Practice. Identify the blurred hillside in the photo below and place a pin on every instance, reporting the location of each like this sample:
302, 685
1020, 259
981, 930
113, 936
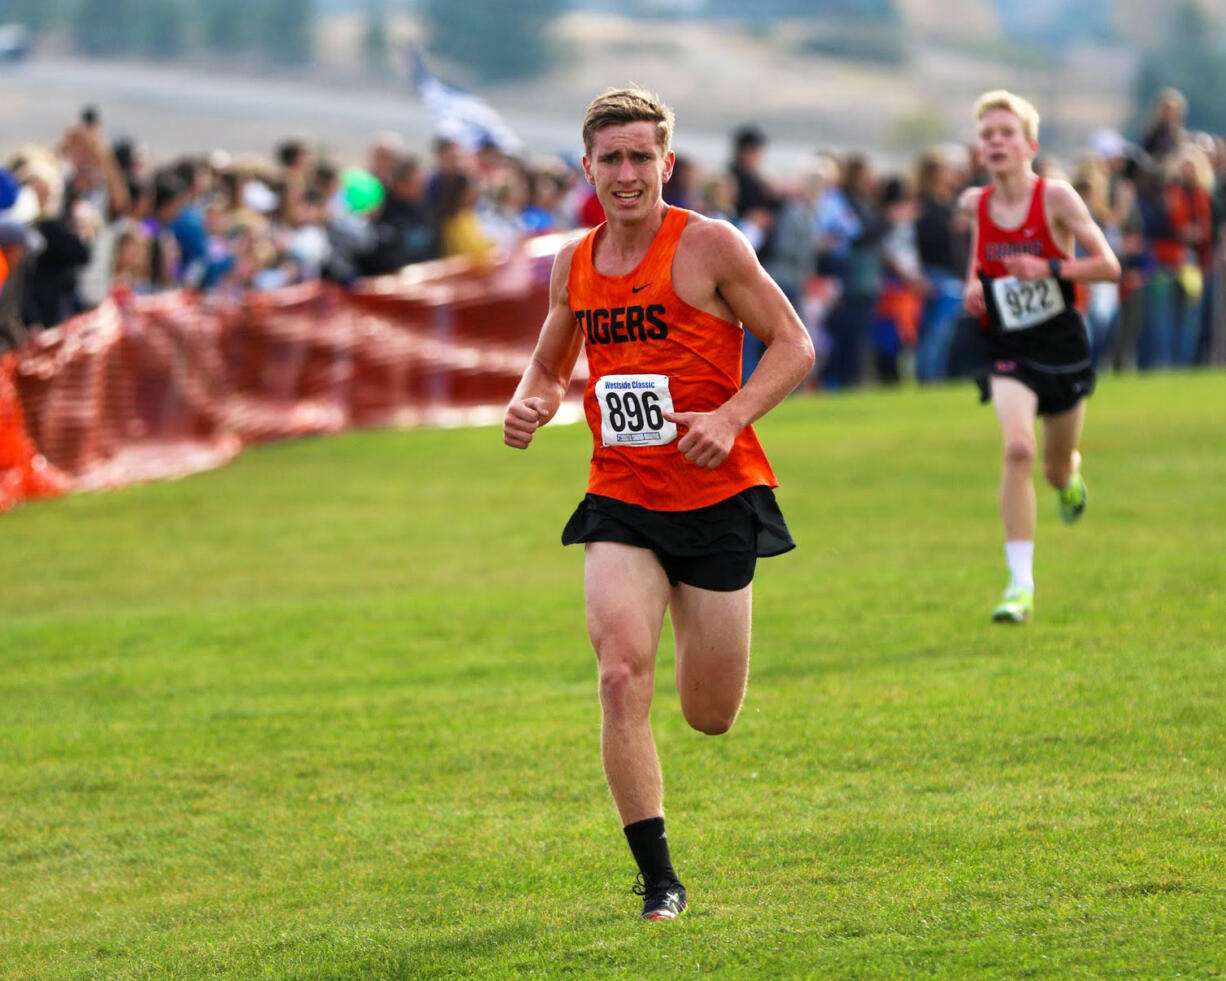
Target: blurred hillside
717, 75
911, 85
891, 82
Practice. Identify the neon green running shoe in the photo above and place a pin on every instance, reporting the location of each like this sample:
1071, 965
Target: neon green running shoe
1016, 606
1073, 499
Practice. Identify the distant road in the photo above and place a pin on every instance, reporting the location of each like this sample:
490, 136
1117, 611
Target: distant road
180, 110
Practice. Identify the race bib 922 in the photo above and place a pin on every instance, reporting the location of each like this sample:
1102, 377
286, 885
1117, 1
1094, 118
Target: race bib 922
1025, 303
632, 410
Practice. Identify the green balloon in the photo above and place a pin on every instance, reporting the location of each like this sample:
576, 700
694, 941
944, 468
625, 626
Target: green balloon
361, 190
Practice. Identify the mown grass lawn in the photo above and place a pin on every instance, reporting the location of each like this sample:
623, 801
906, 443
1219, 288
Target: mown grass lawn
330, 712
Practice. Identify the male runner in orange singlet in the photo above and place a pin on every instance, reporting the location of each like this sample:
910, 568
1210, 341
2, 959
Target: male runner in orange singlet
1020, 284
679, 503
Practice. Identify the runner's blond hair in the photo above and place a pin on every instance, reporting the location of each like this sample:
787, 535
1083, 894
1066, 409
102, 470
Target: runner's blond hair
1003, 99
616, 107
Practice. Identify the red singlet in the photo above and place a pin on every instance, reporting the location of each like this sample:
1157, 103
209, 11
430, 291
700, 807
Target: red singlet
1032, 237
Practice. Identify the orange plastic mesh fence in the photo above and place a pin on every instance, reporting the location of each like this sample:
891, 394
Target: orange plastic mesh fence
24, 472
166, 385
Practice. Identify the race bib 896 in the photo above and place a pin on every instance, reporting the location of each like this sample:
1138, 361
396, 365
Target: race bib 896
1025, 303
632, 410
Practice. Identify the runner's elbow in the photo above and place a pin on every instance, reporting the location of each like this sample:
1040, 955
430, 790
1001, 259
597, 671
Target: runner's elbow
806, 356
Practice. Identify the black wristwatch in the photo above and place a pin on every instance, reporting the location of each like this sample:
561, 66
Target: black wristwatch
1054, 265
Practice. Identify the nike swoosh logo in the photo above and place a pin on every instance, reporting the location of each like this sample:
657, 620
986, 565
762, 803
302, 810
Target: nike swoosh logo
635, 289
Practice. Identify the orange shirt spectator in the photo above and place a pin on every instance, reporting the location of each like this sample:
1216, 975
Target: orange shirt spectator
1188, 214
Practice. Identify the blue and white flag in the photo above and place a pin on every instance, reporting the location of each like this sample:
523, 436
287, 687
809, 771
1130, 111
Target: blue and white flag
460, 115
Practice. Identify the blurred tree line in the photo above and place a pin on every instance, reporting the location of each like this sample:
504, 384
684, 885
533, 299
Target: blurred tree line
279, 29
494, 40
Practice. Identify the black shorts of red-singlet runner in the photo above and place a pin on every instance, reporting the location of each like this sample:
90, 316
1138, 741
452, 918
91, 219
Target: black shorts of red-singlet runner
716, 547
1052, 360
1058, 388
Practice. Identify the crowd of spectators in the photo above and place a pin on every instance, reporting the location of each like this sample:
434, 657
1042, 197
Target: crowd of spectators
92, 217
874, 262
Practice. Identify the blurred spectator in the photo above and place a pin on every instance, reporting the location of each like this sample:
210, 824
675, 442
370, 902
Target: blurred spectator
943, 261
755, 201
132, 159
1092, 181
791, 261
460, 228
1164, 129
1127, 193
448, 162
352, 236
295, 163
903, 284
543, 210
49, 291
96, 192
756, 206
853, 224
719, 197
821, 290
188, 225
682, 188
1181, 237
164, 262
219, 252
306, 243
583, 204
490, 165
15, 243
91, 171
502, 210
130, 274
405, 227
385, 152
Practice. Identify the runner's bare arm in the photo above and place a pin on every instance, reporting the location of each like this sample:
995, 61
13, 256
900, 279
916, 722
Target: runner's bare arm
1067, 212
544, 383
760, 305
1100, 262
972, 288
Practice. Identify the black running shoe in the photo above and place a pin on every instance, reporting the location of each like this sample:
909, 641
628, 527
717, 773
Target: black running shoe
663, 901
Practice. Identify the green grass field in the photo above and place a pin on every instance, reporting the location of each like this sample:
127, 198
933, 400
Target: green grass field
330, 712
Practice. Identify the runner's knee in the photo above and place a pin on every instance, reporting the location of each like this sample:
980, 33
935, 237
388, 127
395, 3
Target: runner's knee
709, 719
624, 690
1020, 451
710, 709
624, 671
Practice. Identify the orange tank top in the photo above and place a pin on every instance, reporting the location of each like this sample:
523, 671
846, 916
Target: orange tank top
647, 348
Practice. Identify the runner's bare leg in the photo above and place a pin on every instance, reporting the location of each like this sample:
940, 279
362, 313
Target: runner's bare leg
626, 593
1061, 437
712, 632
1016, 406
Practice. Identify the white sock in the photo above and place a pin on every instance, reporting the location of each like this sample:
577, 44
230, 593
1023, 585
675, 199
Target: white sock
1020, 556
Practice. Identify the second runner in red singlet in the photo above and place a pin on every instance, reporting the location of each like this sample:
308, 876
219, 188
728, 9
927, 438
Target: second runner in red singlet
1033, 329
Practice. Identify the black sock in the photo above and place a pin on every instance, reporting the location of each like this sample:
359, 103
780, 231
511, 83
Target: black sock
650, 847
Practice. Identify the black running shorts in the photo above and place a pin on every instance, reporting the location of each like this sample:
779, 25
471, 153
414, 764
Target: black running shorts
715, 547
1052, 360
1058, 388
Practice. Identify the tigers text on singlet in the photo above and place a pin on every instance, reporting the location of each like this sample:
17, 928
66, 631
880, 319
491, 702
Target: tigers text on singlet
649, 352
1013, 304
